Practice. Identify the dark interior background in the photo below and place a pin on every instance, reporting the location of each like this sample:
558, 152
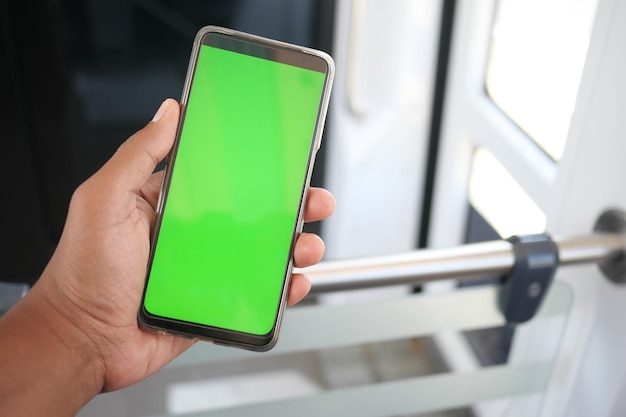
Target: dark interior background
80, 76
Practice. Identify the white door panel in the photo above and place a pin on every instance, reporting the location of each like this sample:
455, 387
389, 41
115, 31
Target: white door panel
379, 123
590, 178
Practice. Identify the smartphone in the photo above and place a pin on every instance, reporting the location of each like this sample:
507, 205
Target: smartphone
234, 189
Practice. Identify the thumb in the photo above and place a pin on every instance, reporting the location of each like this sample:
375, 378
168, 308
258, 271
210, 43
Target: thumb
135, 160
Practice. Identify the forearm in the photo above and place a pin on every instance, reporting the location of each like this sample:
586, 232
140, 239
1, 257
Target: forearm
45, 369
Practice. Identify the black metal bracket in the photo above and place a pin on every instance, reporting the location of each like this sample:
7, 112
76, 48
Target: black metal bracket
613, 221
524, 288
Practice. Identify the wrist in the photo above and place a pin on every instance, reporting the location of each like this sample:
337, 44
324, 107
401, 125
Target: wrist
50, 366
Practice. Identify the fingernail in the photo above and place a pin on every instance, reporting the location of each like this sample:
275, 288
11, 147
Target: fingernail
161, 111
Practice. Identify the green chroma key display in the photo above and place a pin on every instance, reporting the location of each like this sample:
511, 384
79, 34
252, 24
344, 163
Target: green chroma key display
228, 222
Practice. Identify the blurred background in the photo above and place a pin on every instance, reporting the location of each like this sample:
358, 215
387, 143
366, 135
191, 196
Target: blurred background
451, 122
79, 77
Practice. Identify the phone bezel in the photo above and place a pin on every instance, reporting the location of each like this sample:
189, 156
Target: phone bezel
268, 49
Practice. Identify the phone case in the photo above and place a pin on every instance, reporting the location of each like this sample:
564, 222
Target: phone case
224, 336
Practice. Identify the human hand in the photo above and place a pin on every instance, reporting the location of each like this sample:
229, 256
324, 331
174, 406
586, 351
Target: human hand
90, 292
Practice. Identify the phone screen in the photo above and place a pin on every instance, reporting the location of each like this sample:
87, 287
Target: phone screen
227, 227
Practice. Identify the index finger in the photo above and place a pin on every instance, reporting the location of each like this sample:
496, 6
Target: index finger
320, 204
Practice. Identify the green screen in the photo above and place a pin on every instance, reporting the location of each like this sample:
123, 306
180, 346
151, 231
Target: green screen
228, 221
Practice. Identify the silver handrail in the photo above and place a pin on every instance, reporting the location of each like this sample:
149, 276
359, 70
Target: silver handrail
460, 263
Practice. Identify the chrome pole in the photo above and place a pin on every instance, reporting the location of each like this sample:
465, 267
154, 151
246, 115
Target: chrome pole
459, 263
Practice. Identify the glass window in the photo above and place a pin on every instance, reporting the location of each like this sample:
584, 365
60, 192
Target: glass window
538, 49
495, 194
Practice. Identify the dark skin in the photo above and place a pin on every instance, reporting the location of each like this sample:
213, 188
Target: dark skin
76, 334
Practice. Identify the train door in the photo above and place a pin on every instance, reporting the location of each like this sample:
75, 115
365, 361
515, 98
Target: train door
533, 139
